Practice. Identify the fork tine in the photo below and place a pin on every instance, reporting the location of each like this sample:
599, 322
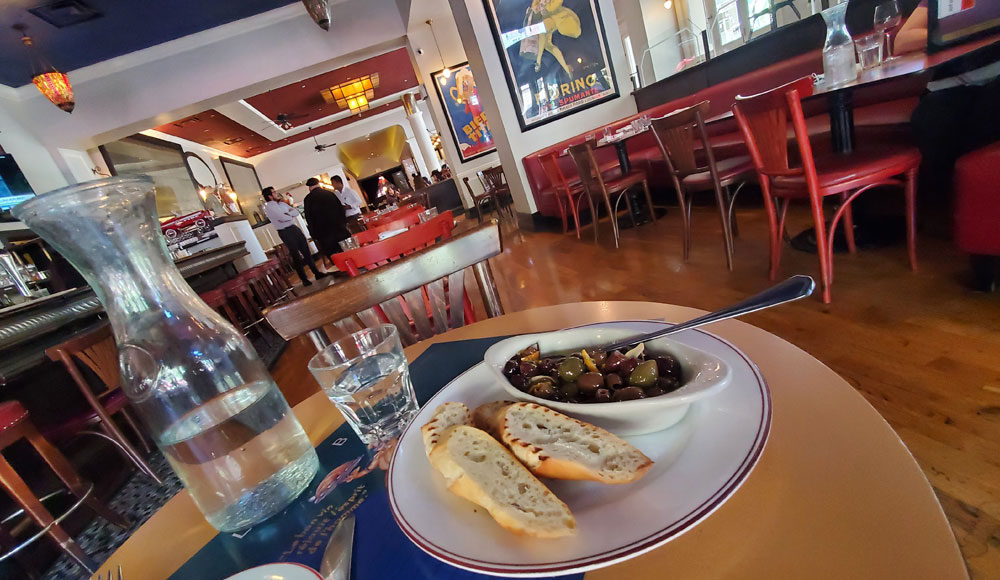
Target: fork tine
120, 572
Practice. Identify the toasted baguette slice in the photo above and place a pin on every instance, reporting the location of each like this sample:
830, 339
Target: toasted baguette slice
487, 417
445, 416
553, 445
478, 468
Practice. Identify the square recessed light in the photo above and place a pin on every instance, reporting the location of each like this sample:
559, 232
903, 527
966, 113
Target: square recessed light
63, 13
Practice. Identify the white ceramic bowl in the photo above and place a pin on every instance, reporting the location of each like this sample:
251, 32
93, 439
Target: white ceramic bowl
703, 375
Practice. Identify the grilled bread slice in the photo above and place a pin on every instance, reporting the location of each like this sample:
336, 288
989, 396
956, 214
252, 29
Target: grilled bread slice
487, 417
445, 416
553, 445
478, 468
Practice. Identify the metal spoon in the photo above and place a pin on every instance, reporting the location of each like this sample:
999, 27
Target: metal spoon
790, 290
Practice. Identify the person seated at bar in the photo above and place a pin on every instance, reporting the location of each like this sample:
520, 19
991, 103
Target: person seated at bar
956, 115
282, 215
326, 217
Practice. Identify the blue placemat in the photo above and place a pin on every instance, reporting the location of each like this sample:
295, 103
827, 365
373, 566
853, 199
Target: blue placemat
301, 532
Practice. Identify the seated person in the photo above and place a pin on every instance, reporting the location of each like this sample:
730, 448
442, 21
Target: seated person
956, 115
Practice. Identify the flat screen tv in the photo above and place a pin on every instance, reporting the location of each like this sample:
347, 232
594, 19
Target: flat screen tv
14, 187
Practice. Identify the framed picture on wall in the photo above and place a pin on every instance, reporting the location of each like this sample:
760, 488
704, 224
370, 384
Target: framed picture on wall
554, 55
466, 119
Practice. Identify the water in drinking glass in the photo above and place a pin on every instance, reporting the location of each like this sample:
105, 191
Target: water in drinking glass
366, 375
869, 49
376, 396
888, 20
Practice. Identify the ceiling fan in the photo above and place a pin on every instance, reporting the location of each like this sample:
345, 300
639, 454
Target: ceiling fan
321, 147
284, 120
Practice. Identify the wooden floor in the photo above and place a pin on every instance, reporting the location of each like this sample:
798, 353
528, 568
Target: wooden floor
923, 349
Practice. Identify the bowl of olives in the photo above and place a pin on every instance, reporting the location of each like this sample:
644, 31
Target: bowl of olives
645, 388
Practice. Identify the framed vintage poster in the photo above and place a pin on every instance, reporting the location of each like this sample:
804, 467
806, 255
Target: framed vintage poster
554, 54
465, 115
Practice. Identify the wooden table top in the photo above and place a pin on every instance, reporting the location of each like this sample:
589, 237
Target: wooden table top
836, 494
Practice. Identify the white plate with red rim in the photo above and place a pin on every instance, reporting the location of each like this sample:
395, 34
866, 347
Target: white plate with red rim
278, 571
699, 463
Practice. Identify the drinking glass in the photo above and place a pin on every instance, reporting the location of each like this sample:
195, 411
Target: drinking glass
368, 379
869, 47
427, 215
888, 20
349, 244
607, 133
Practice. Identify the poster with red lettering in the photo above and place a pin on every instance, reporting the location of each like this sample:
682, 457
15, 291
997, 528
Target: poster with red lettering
555, 56
460, 99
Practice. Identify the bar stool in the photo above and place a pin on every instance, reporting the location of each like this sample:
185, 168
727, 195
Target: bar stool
15, 425
216, 299
98, 352
240, 297
277, 279
260, 290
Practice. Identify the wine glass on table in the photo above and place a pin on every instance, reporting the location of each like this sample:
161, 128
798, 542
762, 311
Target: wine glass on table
888, 21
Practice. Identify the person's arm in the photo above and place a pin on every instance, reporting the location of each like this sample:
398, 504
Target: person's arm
913, 35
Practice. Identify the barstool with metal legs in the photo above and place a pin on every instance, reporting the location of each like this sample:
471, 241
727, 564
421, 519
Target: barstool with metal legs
15, 425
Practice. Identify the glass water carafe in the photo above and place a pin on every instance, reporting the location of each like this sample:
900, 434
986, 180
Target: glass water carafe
838, 50
198, 384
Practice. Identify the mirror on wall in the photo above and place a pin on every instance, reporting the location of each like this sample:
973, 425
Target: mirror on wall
201, 170
165, 163
243, 179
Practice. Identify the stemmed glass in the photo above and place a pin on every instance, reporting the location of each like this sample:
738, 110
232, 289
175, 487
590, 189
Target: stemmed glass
888, 20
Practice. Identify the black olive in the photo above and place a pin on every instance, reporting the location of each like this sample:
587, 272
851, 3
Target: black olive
602, 396
613, 381
521, 382
628, 394
528, 368
667, 365
590, 382
668, 384
613, 361
510, 368
598, 356
627, 366
655, 392
546, 366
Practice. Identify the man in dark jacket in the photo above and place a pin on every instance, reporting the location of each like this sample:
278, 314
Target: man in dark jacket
326, 217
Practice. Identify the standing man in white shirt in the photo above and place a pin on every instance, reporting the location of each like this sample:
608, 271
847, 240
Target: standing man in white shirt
351, 199
282, 215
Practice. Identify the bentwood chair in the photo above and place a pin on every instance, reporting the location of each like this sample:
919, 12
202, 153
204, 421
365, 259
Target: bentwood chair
763, 121
494, 180
97, 352
604, 187
567, 193
677, 134
431, 282
16, 425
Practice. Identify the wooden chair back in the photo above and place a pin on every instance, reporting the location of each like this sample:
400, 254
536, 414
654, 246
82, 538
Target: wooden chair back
676, 134
382, 252
586, 165
493, 178
98, 352
763, 121
430, 282
472, 193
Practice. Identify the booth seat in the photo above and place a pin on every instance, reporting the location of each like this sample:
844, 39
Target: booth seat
977, 201
887, 105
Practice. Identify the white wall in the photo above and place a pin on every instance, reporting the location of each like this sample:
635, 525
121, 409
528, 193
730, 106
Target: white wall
34, 159
512, 143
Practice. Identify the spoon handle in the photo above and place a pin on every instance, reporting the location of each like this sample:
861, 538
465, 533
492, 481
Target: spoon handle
790, 290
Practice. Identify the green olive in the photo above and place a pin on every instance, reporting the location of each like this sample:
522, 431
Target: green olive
543, 389
570, 369
644, 375
569, 390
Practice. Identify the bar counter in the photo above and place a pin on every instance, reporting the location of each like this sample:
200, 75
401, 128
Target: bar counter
27, 329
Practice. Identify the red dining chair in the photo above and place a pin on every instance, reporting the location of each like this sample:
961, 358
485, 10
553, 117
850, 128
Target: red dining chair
567, 193
604, 186
372, 234
677, 134
763, 120
379, 253
394, 215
